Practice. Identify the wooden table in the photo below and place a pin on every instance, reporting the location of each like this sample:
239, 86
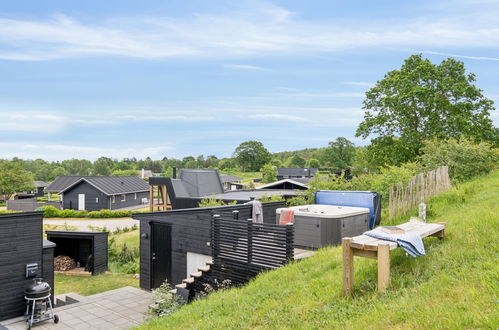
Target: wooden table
369, 247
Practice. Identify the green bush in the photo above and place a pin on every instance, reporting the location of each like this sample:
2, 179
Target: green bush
163, 301
465, 158
212, 201
52, 212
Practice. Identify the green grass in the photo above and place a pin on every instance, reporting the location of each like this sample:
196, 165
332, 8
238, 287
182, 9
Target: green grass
454, 286
131, 238
88, 285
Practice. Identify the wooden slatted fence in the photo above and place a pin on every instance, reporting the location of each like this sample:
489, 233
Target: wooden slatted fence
404, 197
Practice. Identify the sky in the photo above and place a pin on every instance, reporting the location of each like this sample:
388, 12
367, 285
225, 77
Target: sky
119, 78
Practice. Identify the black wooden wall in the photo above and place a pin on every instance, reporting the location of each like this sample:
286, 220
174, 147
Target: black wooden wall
20, 244
48, 264
191, 231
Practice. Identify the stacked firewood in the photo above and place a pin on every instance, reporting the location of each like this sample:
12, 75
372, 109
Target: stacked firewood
64, 263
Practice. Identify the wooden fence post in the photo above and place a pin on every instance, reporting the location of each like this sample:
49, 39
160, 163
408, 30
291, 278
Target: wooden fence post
235, 215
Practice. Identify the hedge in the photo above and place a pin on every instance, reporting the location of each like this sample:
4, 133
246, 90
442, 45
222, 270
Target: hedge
52, 212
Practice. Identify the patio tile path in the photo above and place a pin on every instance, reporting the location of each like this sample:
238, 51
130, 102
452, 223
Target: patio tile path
116, 309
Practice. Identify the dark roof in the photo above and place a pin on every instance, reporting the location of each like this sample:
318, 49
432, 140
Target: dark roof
61, 182
229, 178
39, 184
291, 182
246, 195
288, 171
109, 185
199, 182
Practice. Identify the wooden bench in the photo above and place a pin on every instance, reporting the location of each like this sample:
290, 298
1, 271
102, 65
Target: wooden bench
368, 247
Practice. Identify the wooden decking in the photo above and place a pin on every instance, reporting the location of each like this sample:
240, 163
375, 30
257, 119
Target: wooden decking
369, 247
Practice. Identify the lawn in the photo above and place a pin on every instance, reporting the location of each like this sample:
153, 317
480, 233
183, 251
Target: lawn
88, 285
454, 286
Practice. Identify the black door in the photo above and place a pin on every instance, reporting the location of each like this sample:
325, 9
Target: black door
161, 253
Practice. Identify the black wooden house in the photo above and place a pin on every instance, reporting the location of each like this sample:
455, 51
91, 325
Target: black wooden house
94, 193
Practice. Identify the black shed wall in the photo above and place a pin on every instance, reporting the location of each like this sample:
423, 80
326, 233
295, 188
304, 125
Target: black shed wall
20, 244
191, 232
78, 244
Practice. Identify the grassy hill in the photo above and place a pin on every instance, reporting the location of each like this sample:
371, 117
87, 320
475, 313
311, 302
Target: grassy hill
454, 286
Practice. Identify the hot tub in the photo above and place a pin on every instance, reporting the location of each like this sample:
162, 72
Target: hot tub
317, 226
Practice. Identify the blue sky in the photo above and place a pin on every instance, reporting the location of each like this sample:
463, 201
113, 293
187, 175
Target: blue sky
83, 79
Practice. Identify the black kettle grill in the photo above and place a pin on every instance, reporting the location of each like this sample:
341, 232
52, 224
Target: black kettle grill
38, 303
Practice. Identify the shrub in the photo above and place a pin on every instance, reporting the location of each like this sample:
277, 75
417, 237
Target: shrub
163, 301
464, 157
52, 212
212, 201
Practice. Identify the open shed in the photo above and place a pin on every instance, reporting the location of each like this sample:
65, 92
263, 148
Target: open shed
85, 248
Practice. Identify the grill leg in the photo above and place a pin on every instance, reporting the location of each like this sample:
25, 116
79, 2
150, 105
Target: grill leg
50, 306
32, 313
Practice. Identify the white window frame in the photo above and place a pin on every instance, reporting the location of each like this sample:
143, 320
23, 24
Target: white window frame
113, 199
96, 200
123, 198
135, 196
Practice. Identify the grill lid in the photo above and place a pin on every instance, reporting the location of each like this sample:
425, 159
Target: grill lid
37, 287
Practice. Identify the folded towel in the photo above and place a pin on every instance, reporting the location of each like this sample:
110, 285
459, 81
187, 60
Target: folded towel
410, 242
286, 216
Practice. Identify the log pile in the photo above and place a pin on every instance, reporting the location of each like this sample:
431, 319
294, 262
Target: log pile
64, 263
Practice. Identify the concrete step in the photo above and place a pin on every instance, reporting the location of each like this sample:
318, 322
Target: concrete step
204, 269
189, 280
197, 275
181, 286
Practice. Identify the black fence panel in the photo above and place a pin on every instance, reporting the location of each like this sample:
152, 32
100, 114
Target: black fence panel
242, 249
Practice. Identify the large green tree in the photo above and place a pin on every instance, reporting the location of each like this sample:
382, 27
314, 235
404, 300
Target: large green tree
13, 178
103, 166
422, 101
251, 156
339, 154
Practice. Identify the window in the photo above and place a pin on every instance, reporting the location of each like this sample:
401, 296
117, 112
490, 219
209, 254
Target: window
123, 198
97, 199
135, 196
114, 199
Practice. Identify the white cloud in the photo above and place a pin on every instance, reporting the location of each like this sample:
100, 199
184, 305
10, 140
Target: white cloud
275, 116
254, 31
359, 83
478, 58
31, 122
323, 94
245, 67
51, 151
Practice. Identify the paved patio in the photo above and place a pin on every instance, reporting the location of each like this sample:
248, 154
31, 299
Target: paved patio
116, 309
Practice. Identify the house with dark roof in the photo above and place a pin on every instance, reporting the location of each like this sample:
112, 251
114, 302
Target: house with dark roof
293, 173
231, 182
194, 185
94, 193
296, 184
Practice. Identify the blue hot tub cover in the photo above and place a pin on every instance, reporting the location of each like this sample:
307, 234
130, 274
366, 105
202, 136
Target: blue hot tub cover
367, 199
